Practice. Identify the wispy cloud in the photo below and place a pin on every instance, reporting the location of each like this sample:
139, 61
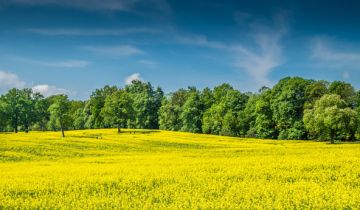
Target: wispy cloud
49, 90
268, 53
133, 77
91, 32
10, 80
55, 64
346, 75
98, 5
115, 51
259, 64
324, 52
257, 59
149, 63
199, 40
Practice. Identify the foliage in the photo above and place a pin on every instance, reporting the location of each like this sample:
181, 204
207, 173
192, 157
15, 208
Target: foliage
275, 113
345, 90
330, 118
59, 113
223, 116
96, 104
287, 101
118, 109
191, 114
146, 103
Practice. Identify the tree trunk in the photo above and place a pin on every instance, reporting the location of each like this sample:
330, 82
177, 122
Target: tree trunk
352, 136
119, 131
26, 129
332, 141
62, 129
62, 132
15, 121
15, 128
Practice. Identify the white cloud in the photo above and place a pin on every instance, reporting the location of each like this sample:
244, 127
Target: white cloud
201, 41
149, 63
268, 54
327, 54
346, 75
112, 5
48, 90
260, 63
99, 5
257, 61
56, 64
133, 77
116, 51
10, 80
91, 32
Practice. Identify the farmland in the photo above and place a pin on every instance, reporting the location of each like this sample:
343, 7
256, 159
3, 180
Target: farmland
150, 169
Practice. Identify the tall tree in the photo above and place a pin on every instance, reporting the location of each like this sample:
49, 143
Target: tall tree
118, 109
346, 92
265, 126
207, 98
248, 117
331, 118
223, 117
146, 104
4, 117
96, 104
13, 107
171, 109
314, 91
59, 112
192, 112
29, 104
287, 104
42, 114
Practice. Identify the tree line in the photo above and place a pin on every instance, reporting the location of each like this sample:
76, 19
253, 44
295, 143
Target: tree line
295, 108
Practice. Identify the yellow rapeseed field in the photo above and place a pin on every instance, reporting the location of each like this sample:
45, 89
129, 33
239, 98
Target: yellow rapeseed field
142, 169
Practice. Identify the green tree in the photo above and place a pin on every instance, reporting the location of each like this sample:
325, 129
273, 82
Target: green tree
358, 112
79, 119
3, 114
29, 108
146, 104
207, 98
191, 114
171, 109
331, 118
248, 117
264, 124
42, 114
118, 109
213, 119
345, 90
59, 112
95, 106
224, 115
314, 91
13, 107
287, 105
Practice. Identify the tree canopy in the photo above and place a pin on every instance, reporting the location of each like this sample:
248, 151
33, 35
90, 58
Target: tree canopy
294, 108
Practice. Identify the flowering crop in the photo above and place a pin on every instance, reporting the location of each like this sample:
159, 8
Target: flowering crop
143, 169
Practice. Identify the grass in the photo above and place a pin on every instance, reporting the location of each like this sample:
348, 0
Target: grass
143, 169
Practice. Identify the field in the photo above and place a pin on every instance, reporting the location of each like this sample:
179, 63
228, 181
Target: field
143, 169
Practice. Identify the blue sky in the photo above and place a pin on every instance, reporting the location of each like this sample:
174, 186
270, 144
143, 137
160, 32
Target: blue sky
75, 46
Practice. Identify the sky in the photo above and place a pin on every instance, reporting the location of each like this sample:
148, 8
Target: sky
76, 46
